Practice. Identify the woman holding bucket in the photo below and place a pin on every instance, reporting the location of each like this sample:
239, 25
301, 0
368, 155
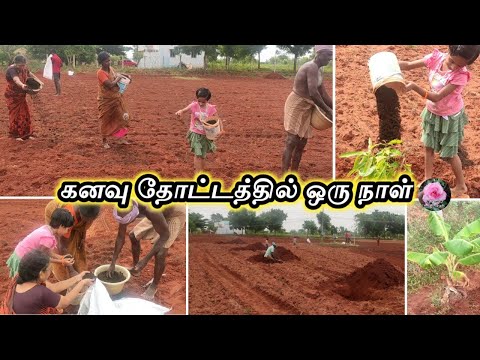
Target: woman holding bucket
112, 111
197, 137
444, 117
16, 96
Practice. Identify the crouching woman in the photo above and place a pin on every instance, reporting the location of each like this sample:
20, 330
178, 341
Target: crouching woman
31, 293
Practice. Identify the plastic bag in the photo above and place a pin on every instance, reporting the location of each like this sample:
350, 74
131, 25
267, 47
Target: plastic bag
97, 301
48, 69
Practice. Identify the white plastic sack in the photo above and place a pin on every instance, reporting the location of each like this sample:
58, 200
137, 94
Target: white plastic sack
48, 69
97, 301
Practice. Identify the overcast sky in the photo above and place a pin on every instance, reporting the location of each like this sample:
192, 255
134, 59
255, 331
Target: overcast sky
297, 214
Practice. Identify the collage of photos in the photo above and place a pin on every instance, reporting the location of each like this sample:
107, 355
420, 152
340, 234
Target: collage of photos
321, 112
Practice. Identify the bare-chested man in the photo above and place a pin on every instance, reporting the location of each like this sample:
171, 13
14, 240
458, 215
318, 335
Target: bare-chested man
308, 91
163, 226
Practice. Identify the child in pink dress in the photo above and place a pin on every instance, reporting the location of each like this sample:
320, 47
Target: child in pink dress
199, 143
44, 238
444, 116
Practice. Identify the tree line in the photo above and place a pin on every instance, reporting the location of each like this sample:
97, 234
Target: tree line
72, 54
377, 224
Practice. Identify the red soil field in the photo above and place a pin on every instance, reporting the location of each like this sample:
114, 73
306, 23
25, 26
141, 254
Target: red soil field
232, 278
357, 118
69, 140
20, 217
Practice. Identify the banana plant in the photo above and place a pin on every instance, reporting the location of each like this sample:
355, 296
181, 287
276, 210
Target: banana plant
378, 162
461, 249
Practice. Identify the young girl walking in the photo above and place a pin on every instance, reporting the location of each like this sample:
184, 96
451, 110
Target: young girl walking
444, 116
199, 143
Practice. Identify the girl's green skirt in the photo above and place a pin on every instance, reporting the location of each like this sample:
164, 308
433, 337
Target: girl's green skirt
444, 136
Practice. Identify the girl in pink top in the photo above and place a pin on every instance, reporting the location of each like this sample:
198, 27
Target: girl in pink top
444, 116
199, 143
44, 238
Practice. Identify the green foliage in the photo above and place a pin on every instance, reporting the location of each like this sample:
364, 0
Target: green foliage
297, 51
112, 49
241, 219
379, 224
378, 162
324, 223
452, 252
217, 217
310, 227
82, 53
8, 53
248, 220
196, 222
273, 219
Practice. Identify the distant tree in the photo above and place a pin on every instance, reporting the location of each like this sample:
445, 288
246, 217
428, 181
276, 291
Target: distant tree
333, 230
209, 52
257, 49
196, 222
211, 226
297, 51
112, 49
274, 219
258, 224
229, 52
81, 53
324, 223
137, 55
217, 217
379, 223
8, 53
241, 219
310, 227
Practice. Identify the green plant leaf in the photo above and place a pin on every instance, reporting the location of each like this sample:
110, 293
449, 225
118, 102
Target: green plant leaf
476, 245
470, 260
438, 226
469, 230
458, 275
438, 257
394, 142
396, 153
459, 247
416, 257
369, 171
365, 168
353, 153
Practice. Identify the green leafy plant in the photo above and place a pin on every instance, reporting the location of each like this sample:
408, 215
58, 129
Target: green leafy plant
462, 249
378, 162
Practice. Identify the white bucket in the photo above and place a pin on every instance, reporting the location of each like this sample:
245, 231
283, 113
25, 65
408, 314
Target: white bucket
319, 120
385, 70
70, 73
122, 84
113, 288
212, 126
